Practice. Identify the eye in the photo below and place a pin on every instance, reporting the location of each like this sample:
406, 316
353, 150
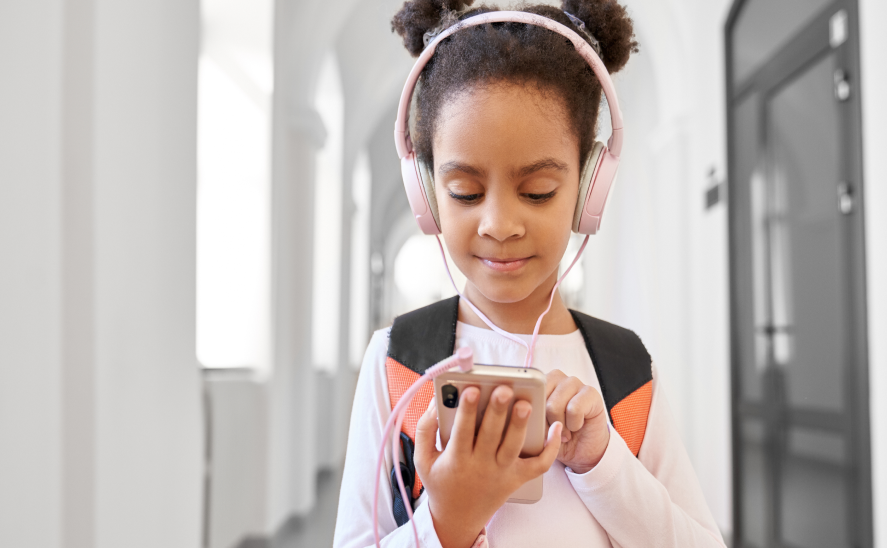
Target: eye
541, 198
464, 198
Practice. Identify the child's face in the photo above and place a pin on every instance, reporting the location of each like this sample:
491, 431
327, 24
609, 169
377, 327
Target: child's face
506, 171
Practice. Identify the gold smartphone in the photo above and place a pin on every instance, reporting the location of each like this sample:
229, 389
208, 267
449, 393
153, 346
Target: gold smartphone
527, 383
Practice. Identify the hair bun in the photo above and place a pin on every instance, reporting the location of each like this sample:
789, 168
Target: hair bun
417, 17
610, 24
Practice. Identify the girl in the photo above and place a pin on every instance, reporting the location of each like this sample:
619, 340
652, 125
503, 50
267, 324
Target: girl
505, 120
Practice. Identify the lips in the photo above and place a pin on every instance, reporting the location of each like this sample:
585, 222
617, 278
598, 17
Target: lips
504, 265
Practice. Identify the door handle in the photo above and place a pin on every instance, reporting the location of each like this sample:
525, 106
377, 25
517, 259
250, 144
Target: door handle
845, 197
842, 85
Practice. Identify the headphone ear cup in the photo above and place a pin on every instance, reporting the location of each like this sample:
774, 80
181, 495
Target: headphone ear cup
416, 195
603, 167
426, 175
586, 180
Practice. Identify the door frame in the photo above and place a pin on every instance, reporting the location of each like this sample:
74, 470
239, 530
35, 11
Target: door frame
806, 48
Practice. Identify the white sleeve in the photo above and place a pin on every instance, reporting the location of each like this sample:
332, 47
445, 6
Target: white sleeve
654, 499
372, 407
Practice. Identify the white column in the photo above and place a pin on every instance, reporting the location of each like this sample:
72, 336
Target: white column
302, 32
100, 396
30, 278
292, 402
297, 135
149, 434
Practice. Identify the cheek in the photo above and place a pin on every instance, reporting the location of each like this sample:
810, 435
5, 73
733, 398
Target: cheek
459, 247
456, 224
557, 224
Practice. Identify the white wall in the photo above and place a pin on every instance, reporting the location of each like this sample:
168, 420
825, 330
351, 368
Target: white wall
659, 265
238, 458
872, 17
100, 418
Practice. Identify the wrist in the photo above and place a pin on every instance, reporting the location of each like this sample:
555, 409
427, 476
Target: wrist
453, 532
585, 467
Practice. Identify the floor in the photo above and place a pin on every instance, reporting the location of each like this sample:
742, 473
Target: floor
316, 529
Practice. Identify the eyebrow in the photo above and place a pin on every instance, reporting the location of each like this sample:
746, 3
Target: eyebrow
543, 164
529, 169
467, 169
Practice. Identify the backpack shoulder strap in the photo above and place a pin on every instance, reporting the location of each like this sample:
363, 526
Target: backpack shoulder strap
418, 340
624, 370
423, 337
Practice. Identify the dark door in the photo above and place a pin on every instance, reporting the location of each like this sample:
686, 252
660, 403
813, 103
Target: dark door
800, 391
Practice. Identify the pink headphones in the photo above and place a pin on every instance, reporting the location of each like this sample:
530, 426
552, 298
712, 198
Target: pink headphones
597, 174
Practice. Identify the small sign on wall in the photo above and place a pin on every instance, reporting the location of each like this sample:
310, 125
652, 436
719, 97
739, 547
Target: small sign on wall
715, 191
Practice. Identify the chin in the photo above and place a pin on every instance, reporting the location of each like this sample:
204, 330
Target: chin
503, 292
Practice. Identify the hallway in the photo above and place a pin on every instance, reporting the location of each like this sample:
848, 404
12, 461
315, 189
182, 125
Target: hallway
203, 222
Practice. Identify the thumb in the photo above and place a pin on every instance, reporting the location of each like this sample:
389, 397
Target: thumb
538, 465
426, 440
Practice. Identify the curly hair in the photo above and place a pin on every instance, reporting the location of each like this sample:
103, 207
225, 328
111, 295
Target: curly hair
513, 53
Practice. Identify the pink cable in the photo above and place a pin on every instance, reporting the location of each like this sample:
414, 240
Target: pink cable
396, 419
461, 358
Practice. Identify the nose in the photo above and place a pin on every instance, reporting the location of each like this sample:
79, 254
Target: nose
500, 219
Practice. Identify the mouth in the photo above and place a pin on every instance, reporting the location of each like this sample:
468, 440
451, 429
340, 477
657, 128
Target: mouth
509, 264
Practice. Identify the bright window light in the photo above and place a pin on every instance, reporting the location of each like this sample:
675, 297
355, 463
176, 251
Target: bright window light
419, 275
361, 185
233, 208
330, 104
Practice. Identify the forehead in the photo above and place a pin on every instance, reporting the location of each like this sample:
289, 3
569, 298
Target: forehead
504, 123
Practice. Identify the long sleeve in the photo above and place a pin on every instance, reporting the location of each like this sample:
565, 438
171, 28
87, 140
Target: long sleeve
653, 500
354, 523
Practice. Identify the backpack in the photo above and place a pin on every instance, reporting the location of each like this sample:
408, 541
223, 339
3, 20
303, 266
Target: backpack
423, 337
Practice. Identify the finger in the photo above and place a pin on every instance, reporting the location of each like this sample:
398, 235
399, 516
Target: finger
462, 436
426, 440
556, 403
493, 425
552, 379
584, 406
532, 467
516, 434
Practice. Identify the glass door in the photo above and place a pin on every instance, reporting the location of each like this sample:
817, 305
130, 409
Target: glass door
801, 460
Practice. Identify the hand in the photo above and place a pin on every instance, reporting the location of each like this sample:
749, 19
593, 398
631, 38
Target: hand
472, 478
581, 409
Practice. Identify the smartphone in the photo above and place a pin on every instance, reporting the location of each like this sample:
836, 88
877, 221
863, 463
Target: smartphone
527, 383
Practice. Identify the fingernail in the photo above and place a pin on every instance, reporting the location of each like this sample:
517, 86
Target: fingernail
471, 396
502, 398
564, 439
522, 412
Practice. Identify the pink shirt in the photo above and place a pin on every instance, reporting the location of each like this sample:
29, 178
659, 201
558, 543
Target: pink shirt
653, 500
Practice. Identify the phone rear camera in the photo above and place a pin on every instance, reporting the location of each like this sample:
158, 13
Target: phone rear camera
450, 395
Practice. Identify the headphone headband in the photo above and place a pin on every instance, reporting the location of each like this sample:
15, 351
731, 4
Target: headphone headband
401, 126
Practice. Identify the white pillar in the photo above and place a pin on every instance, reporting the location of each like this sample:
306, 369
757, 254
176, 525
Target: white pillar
303, 29
297, 134
292, 401
101, 399
148, 395
30, 277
